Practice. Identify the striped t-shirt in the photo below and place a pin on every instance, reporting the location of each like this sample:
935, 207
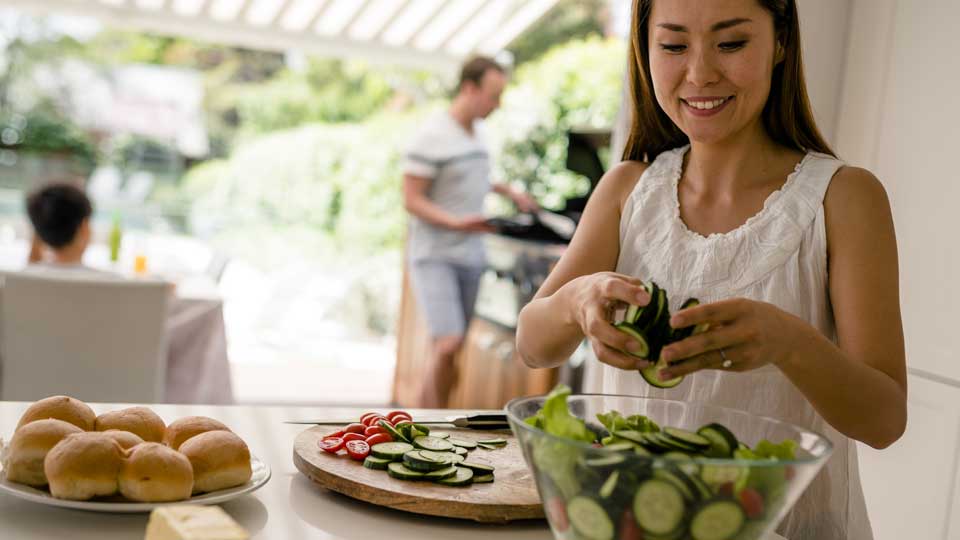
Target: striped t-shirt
458, 165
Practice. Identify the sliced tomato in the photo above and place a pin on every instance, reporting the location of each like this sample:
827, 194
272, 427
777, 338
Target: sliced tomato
370, 418
354, 437
752, 503
355, 428
395, 414
358, 450
378, 438
629, 529
337, 433
373, 430
331, 444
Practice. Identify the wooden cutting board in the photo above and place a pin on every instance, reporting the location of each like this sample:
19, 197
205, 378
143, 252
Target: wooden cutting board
511, 496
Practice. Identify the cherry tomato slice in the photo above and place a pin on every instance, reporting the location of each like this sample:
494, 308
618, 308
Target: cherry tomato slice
331, 444
353, 437
370, 418
358, 450
373, 430
355, 428
338, 433
378, 438
752, 503
393, 416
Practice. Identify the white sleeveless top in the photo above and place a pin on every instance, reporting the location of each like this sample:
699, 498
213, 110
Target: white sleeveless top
778, 256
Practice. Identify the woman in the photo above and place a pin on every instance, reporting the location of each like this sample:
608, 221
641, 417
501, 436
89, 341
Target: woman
728, 193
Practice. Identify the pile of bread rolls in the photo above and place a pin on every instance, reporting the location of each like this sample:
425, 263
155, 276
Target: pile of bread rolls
61, 443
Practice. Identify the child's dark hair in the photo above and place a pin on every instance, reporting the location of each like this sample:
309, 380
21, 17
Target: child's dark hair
56, 212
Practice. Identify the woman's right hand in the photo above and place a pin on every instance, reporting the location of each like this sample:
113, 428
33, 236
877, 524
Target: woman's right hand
594, 298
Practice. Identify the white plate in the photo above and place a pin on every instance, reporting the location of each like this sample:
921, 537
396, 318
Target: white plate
261, 474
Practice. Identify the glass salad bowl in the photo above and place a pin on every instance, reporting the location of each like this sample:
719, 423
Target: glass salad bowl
656, 469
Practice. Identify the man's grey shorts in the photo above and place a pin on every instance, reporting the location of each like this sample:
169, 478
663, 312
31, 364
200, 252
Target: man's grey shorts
446, 293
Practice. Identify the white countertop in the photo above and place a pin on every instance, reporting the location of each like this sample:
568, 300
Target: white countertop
289, 507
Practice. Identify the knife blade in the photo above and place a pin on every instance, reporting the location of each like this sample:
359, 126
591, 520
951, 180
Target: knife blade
476, 421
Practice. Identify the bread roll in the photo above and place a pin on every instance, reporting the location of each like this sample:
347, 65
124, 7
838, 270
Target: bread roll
156, 473
29, 447
188, 426
83, 466
140, 421
220, 460
126, 439
63, 408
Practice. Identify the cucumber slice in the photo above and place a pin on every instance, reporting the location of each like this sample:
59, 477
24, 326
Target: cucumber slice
589, 519
620, 446
651, 374
718, 475
391, 450
400, 472
482, 479
458, 459
632, 313
418, 462
684, 462
440, 457
440, 435
637, 336
394, 432
460, 451
609, 485
489, 446
493, 442
477, 467
679, 481
464, 477
648, 314
722, 441
658, 507
469, 445
674, 444
423, 429
630, 435
687, 437
604, 462
440, 474
717, 520
373, 462
432, 443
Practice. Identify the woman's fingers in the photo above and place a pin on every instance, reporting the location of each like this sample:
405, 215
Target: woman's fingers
626, 290
713, 313
714, 339
615, 358
599, 328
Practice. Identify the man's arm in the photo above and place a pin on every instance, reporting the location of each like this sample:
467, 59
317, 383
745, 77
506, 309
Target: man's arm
523, 200
416, 201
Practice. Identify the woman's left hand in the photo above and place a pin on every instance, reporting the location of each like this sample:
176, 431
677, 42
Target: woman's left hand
743, 335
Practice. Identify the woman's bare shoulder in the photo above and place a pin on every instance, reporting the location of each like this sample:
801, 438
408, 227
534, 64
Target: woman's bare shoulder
855, 186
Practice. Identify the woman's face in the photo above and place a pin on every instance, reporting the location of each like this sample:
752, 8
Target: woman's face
711, 62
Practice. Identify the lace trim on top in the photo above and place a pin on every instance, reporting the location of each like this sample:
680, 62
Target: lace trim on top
755, 221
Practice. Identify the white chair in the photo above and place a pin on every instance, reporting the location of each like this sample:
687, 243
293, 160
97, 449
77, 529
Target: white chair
93, 337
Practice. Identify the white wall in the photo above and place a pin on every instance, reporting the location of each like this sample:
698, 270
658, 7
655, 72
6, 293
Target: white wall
823, 27
900, 117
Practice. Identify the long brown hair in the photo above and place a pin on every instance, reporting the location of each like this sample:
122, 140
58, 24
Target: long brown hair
787, 116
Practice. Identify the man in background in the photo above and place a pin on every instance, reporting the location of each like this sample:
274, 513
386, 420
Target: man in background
60, 215
446, 178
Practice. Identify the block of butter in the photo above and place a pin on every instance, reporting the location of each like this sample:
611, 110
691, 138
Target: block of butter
193, 522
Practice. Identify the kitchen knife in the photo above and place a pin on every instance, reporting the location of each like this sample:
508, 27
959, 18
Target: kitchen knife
476, 421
